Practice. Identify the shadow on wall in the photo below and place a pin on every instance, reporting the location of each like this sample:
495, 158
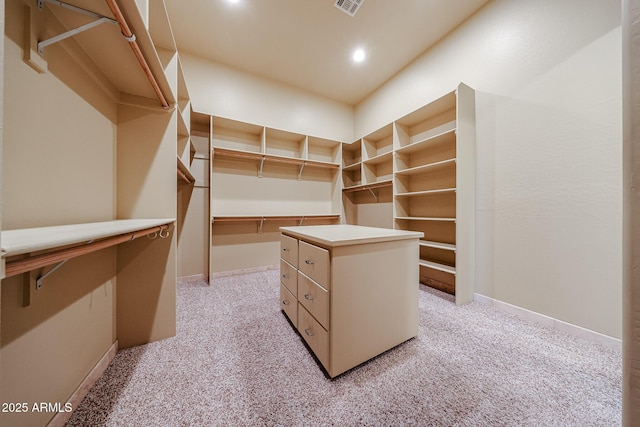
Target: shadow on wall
87, 280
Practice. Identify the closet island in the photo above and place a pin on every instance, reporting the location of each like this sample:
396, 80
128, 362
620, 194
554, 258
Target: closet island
350, 291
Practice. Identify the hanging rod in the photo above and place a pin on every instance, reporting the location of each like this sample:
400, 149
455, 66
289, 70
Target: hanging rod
131, 38
13, 268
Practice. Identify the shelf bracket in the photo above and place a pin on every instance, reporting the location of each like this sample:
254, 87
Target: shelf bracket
100, 19
260, 226
300, 171
374, 194
261, 166
41, 278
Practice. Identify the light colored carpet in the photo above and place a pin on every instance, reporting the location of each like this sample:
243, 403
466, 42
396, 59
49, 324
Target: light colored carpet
236, 361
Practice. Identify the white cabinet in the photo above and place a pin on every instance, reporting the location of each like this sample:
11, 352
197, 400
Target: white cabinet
356, 293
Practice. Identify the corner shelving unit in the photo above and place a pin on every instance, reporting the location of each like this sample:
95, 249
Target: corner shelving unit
434, 179
367, 178
418, 173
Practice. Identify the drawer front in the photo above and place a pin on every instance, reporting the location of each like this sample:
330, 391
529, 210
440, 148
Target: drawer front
313, 261
289, 249
314, 298
289, 277
289, 305
315, 335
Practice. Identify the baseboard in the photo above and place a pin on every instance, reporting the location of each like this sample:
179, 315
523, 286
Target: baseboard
559, 325
61, 418
192, 277
238, 272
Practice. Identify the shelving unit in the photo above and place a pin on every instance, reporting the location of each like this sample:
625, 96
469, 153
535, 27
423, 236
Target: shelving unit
261, 219
367, 179
417, 173
434, 186
262, 178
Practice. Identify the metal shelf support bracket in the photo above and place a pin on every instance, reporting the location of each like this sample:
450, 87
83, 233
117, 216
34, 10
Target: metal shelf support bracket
100, 19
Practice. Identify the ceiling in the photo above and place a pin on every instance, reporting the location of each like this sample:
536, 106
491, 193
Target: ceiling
308, 43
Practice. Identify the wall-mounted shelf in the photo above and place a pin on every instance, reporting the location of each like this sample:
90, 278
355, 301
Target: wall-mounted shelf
69, 241
437, 245
365, 187
184, 174
424, 218
429, 167
426, 192
262, 218
437, 266
226, 153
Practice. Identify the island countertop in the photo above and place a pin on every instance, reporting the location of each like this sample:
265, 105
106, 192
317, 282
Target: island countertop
344, 234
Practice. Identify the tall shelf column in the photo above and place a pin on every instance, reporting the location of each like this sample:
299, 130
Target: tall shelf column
434, 189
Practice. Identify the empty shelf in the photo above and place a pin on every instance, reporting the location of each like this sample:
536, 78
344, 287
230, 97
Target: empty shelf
438, 245
436, 266
362, 187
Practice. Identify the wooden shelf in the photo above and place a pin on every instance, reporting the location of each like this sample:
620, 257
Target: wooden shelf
184, 173
381, 158
423, 218
253, 218
426, 192
447, 135
363, 187
438, 245
64, 241
436, 266
228, 153
351, 167
431, 167
260, 219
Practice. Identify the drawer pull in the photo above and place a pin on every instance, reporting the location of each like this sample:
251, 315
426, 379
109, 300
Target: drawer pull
285, 276
308, 332
285, 249
308, 297
308, 262
285, 302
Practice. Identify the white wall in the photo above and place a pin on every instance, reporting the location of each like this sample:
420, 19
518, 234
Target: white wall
222, 91
631, 312
549, 138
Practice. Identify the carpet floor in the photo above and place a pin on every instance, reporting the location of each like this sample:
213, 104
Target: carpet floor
237, 361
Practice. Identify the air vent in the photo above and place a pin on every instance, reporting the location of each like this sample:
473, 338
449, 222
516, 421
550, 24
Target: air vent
350, 7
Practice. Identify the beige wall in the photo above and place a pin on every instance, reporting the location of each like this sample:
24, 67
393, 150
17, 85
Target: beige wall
221, 91
548, 183
59, 151
631, 341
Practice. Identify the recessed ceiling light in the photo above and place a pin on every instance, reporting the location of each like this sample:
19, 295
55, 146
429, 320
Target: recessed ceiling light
359, 55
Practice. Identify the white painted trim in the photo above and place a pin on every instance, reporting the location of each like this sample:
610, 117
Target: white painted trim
550, 322
76, 397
